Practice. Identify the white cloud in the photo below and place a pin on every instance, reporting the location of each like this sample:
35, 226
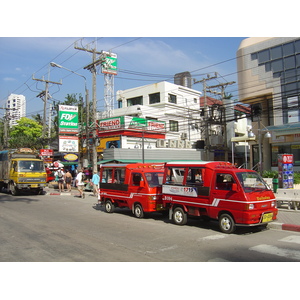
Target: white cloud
9, 79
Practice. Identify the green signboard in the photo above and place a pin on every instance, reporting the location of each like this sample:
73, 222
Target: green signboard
68, 119
109, 66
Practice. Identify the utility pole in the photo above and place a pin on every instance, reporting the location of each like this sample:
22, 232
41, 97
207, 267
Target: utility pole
222, 93
45, 95
92, 68
203, 81
5, 129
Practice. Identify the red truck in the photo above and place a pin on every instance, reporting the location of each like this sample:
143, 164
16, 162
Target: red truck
136, 186
217, 190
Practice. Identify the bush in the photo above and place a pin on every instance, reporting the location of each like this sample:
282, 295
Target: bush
270, 174
296, 177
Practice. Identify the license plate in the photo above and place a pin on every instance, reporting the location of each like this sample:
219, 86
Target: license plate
34, 185
267, 217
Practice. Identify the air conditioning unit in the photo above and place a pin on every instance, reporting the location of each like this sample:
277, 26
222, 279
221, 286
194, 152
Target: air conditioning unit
161, 144
183, 135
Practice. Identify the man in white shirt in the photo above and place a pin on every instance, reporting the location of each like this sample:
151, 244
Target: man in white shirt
80, 184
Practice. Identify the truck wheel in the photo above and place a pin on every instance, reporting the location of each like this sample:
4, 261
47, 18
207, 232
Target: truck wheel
109, 206
14, 191
179, 216
138, 211
226, 223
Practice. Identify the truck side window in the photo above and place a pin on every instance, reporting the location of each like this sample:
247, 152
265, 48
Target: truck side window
136, 178
175, 175
194, 176
119, 176
224, 182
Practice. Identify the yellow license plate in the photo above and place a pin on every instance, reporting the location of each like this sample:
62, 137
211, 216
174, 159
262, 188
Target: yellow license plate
34, 185
267, 217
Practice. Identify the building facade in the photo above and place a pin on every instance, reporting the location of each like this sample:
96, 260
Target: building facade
16, 108
268, 78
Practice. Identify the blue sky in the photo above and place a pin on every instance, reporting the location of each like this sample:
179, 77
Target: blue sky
159, 57
161, 39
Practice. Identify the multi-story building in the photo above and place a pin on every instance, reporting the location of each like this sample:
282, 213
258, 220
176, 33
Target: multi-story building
268, 78
16, 105
177, 130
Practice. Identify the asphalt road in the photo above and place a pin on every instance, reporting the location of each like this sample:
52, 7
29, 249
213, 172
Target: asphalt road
48, 228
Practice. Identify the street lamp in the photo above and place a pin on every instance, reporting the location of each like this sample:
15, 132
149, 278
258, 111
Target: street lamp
55, 65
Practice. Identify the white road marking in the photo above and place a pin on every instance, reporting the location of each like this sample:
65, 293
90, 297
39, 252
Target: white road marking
269, 249
291, 239
213, 237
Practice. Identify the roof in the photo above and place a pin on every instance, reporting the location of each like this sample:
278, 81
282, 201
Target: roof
212, 101
132, 161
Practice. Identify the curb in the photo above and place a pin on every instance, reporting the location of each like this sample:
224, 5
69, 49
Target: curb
282, 226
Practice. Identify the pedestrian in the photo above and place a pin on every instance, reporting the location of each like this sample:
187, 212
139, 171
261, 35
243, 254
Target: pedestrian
60, 177
68, 180
95, 183
80, 183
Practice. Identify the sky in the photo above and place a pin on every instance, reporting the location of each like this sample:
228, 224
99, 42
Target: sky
141, 61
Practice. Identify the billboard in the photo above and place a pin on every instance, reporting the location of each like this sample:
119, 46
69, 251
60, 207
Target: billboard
68, 119
68, 143
127, 122
110, 64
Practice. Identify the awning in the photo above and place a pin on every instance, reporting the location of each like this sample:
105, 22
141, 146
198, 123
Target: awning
285, 128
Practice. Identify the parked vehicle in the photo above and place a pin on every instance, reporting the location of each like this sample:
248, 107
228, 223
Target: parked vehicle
135, 186
21, 170
217, 190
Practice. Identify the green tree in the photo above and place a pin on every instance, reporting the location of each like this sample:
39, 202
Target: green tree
27, 133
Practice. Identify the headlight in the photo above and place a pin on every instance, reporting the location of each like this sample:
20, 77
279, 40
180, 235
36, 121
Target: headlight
251, 206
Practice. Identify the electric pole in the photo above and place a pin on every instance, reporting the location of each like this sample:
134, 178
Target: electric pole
45, 95
5, 129
222, 93
206, 135
92, 68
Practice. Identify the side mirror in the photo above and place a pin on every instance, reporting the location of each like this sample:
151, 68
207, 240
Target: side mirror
234, 187
142, 183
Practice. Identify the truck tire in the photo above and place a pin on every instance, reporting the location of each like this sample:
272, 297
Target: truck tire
226, 223
109, 206
179, 216
14, 190
138, 211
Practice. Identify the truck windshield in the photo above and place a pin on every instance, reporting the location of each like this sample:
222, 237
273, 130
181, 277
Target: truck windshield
154, 178
251, 181
30, 166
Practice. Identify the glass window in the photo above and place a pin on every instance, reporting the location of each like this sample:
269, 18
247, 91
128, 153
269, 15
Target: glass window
154, 98
290, 76
253, 56
288, 49
298, 60
224, 181
136, 179
172, 98
297, 46
290, 88
154, 178
173, 125
293, 116
276, 52
263, 56
268, 67
289, 62
135, 101
120, 104
277, 65
175, 175
296, 152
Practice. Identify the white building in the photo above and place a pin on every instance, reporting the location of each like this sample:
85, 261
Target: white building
16, 105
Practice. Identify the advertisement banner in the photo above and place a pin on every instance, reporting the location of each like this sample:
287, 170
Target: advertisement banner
109, 66
68, 143
127, 122
68, 119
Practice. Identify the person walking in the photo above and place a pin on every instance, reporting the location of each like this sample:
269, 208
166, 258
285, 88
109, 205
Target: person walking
60, 177
80, 183
68, 180
95, 182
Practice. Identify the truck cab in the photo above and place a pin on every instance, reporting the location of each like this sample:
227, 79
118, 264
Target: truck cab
135, 186
217, 190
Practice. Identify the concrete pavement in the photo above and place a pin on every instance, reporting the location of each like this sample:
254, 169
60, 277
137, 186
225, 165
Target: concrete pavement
287, 219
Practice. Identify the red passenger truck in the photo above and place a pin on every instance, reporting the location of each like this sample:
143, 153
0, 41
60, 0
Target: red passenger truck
217, 190
136, 186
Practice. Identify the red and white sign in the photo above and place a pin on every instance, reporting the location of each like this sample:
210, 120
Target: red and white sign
46, 152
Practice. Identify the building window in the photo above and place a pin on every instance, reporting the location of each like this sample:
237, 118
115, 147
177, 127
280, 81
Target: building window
172, 98
276, 52
288, 49
173, 125
289, 62
154, 98
263, 56
120, 103
135, 101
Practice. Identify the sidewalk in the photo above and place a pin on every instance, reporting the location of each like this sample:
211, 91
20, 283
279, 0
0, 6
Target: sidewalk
287, 219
